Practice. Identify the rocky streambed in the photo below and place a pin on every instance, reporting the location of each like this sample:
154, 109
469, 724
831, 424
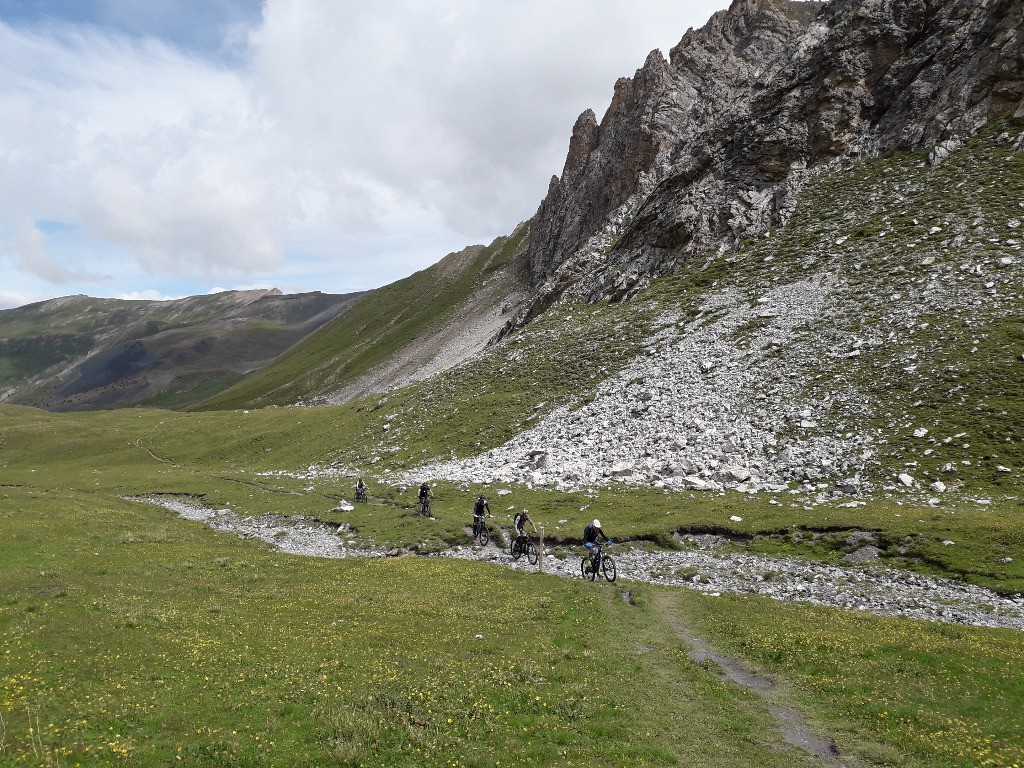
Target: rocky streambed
293, 535
880, 591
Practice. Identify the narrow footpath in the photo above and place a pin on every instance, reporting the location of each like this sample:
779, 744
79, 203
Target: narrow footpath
793, 726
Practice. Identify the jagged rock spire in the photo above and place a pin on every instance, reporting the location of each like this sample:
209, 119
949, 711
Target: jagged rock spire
713, 145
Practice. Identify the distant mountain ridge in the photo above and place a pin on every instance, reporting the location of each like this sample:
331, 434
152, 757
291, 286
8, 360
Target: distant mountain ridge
421, 325
77, 352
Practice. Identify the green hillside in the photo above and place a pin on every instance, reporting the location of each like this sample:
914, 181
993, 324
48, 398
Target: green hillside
386, 322
886, 365
80, 353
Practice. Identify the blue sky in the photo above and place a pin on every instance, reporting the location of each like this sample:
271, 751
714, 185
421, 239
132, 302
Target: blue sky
162, 148
214, 28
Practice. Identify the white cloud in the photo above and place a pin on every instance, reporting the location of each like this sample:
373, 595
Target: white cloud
455, 107
9, 299
140, 146
147, 295
353, 131
29, 243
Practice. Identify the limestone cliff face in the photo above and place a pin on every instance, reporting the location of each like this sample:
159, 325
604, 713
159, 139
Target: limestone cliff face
712, 146
650, 115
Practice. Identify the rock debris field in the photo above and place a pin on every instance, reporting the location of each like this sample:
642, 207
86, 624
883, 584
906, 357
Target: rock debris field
883, 592
696, 411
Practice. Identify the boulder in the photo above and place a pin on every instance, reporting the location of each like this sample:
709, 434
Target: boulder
866, 554
688, 466
692, 483
735, 474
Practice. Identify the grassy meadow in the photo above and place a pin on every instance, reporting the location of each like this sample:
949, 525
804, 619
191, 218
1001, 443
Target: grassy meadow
135, 638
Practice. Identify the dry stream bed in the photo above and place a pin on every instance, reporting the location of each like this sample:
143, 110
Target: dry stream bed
876, 590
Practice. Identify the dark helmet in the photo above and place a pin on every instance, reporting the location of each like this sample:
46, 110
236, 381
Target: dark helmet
482, 497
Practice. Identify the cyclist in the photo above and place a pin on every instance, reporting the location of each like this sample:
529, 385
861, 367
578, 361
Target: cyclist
591, 534
360, 490
425, 497
480, 510
519, 524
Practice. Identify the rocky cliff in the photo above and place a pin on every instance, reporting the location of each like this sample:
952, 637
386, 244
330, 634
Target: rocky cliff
699, 152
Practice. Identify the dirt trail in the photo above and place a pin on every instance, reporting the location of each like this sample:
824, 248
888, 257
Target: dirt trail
793, 726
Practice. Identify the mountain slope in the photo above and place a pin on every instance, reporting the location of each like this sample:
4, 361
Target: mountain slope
399, 333
861, 335
77, 352
879, 334
859, 332
749, 110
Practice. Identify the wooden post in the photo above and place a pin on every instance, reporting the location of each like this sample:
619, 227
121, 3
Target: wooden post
541, 559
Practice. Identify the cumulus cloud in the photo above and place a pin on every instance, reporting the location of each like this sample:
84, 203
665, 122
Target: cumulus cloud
348, 131
455, 107
140, 145
147, 295
9, 299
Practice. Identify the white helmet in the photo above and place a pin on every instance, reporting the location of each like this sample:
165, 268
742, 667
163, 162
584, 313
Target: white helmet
597, 523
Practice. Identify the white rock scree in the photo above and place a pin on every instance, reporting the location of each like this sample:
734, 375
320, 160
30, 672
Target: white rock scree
696, 411
880, 591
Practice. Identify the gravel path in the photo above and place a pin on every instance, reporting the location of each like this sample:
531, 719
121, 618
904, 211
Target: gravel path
880, 591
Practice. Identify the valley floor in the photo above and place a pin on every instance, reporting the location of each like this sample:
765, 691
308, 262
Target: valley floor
880, 591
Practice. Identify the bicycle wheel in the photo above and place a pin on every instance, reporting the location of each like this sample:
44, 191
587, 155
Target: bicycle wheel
485, 536
532, 555
608, 568
515, 549
586, 570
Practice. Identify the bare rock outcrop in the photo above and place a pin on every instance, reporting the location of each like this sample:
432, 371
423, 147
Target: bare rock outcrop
698, 152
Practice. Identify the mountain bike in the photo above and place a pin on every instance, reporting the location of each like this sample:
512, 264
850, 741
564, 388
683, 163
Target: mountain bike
425, 506
480, 531
524, 545
595, 561
361, 495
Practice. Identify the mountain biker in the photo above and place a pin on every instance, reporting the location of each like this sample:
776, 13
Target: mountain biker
591, 534
360, 490
519, 523
425, 496
480, 510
